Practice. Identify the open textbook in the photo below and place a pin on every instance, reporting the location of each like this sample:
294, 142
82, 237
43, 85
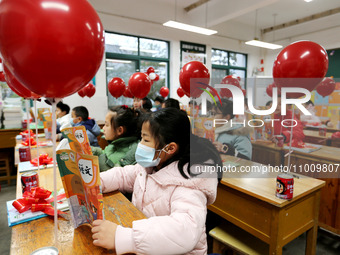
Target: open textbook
79, 171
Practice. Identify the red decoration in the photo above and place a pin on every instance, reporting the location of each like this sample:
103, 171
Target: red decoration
116, 87
139, 85
191, 70
127, 93
301, 64
230, 80
37, 200
336, 135
17, 87
81, 92
164, 91
180, 92
29, 142
269, 89
326, 87
90, 90
44, 159
61, 44
157, 78
150, 70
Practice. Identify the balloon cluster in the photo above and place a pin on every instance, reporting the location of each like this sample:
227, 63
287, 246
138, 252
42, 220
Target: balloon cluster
89, 90
152, 75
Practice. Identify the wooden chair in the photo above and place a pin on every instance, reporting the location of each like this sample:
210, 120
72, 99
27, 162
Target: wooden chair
5, 169
230, 239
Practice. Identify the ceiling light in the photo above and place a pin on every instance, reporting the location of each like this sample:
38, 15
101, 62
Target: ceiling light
307, 1
186, 27
266, 45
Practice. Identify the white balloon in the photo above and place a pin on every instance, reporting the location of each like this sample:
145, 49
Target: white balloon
152, 76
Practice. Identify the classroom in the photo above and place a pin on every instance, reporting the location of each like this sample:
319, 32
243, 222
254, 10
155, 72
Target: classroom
170, 127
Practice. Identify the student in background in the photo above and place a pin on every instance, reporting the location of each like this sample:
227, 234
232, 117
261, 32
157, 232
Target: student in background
63, 116
167, 187
122, 132
171, 102
146, 104
80, 117
159, 100
137, 103
231, 139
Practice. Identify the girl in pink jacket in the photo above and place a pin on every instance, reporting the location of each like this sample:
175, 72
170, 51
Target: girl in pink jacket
170, 185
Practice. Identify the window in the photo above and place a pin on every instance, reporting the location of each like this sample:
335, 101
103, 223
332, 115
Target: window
228, 63
127, 54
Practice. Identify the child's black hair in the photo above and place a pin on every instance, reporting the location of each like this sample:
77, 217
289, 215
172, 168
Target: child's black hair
63, 107
81, 111
147, 105
127, 118
159, 99
226, 107
269, 103
172, 125
171, 102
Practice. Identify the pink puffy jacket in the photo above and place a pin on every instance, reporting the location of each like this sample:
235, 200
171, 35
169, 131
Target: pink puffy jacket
176, 209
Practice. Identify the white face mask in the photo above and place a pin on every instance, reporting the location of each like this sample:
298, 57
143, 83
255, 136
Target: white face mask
145, 155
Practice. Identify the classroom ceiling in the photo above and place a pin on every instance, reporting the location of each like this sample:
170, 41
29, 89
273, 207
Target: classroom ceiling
234, 18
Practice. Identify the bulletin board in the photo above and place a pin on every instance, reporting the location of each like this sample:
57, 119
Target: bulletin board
192, 52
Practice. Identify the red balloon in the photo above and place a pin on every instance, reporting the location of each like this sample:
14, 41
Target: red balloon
301, 64
90, 90
16, 86
2, 77
116, 87
150, 70
157, 78
139, 85
81, 92
57, 46
326, 87
164, 91
180, 92
194, 69
269, 89
230, 80
127, 93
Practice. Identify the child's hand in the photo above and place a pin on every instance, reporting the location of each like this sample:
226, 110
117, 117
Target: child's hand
218, 146
104, 234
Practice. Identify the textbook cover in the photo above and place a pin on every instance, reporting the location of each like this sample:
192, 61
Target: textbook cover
204, 127
81, 179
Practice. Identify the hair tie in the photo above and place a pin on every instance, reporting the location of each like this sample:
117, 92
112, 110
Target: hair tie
124, 106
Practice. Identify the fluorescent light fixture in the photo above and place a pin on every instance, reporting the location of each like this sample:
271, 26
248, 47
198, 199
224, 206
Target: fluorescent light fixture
134, 49
118, 61
182, 26
162, 63
307, 1
264, 44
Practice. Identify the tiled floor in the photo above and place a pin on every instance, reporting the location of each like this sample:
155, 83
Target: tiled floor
327, 244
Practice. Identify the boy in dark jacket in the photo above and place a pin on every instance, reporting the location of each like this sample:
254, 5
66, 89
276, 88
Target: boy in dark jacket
80, 117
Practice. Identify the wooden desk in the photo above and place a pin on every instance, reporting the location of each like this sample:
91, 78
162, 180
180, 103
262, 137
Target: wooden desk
312, 136
329, 129
330, 203
251, 204
265, 152
34, 151
32, 235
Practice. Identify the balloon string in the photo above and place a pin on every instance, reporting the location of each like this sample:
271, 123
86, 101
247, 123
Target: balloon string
291, 138
54, 131
28, 124
36, 133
